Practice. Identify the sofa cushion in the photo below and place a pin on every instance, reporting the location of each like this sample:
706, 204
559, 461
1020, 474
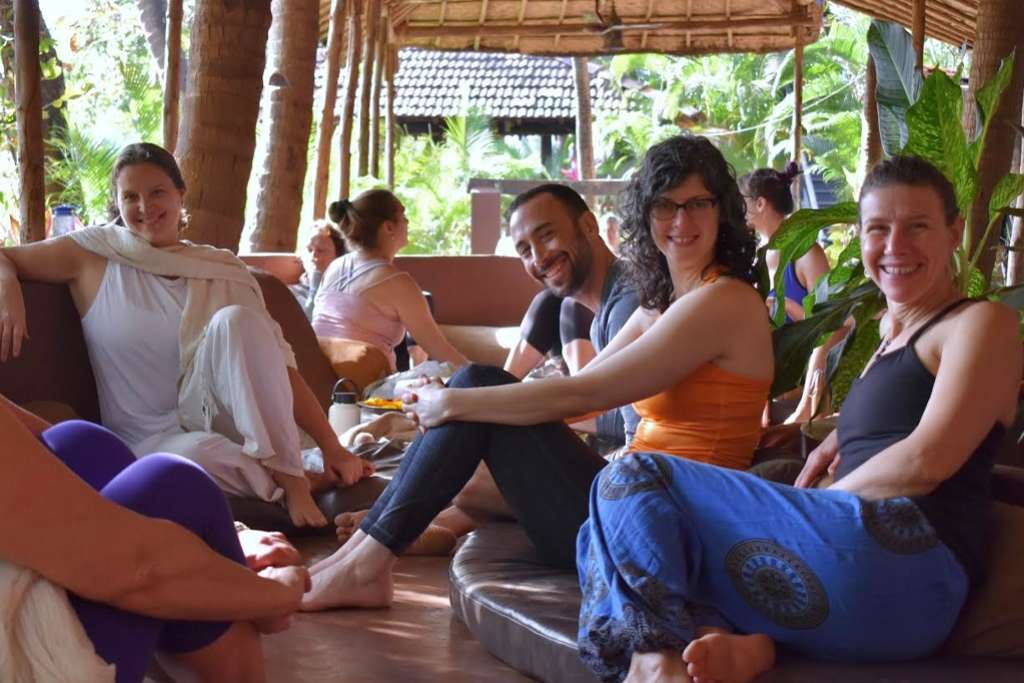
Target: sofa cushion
525, 613
54, 364
283, 308
481, 343
358, 361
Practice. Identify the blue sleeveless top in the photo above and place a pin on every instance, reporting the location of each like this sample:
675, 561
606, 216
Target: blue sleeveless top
795, 291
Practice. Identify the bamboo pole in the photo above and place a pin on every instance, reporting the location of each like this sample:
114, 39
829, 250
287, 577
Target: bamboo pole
584, 127
355, 40
29, 105
798, 115
389, 117
793, 20
380, 55
919, 34
172, 74
325, 130
365, 82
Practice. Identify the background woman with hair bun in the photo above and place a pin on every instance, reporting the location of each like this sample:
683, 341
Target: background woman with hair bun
363, 295
769, 201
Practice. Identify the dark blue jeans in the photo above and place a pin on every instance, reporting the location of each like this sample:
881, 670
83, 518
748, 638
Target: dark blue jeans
543, 471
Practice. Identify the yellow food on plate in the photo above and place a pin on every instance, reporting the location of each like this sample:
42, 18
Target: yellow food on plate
383, 403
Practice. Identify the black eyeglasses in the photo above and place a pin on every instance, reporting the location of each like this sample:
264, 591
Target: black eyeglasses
664, 209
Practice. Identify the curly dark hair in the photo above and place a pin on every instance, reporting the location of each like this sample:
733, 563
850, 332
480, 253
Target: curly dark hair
666, 165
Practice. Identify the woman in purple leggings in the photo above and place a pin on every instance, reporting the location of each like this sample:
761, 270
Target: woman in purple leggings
136, 583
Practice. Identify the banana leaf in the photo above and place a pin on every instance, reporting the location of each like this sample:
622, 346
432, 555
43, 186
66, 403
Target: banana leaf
899, 82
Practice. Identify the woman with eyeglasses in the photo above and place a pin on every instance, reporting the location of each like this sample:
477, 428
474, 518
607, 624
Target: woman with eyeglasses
695, 360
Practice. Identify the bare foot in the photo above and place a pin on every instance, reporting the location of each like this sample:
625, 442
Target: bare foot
729, 658
299, 501
347, 584
657, 667
435, 540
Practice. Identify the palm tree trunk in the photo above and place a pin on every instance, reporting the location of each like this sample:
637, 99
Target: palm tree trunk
172, 75
292, 48
325, 131
998, 32
218, 131
380, 54
30, 120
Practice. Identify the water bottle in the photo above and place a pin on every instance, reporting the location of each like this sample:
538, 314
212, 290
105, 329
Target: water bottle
344, 413
64, 220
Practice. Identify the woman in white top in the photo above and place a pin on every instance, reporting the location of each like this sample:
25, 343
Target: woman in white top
364, 296
186, 358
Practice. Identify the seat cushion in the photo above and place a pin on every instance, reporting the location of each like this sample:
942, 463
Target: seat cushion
359, 361
525, 613
482, 343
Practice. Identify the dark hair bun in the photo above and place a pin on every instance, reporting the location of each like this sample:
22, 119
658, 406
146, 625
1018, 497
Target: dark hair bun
791, 171
337, 210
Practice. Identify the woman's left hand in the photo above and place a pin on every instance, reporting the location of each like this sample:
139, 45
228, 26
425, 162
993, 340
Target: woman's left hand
345, 467
427, 403
264, 549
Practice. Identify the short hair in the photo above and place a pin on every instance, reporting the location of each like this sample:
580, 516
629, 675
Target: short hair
330, 230
915, 172
774, 186
360, 219
568, 197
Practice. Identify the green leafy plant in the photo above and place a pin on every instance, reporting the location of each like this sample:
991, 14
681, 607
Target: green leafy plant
920, 120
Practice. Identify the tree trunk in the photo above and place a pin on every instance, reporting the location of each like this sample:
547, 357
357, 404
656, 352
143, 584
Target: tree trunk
998, 32
870, 137
391, 67
27, 22
292, 47
325, 131
153, 16
355, 25
172, 75
1015, 258
218, 131
380, 54
798, 116
369, 51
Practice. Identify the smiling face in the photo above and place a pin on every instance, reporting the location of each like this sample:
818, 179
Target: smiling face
552, 245
687, 240
906, 242
149, 203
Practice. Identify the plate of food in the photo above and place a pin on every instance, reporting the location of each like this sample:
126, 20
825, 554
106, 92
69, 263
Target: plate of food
382, 404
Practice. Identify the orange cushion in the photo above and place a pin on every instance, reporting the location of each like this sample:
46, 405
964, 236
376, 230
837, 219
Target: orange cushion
358, 361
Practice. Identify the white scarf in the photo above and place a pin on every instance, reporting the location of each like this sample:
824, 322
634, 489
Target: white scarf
216, 278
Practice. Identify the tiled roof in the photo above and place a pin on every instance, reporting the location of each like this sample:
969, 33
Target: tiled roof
434, 84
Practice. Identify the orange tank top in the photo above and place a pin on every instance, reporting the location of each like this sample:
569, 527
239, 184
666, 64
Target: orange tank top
711, 416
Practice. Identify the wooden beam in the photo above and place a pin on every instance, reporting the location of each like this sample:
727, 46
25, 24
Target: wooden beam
365, 82
411, 32
513, 186
380, 54
325, 129
389, 117
919, 33
355, 44
29, 112
172, 74
798, 114
584, 121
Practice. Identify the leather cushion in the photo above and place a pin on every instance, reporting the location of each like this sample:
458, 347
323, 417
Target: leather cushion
525, 614
358, 361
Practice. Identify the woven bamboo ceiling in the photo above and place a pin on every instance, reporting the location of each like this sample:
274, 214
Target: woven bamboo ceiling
587, 27
951, 21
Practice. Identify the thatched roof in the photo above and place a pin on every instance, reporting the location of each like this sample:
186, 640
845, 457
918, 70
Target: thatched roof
587, 27
951, 21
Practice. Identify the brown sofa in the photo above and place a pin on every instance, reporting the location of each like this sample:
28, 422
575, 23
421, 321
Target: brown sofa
54, 368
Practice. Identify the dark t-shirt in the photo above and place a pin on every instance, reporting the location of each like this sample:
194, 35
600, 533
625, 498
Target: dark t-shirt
618, 301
